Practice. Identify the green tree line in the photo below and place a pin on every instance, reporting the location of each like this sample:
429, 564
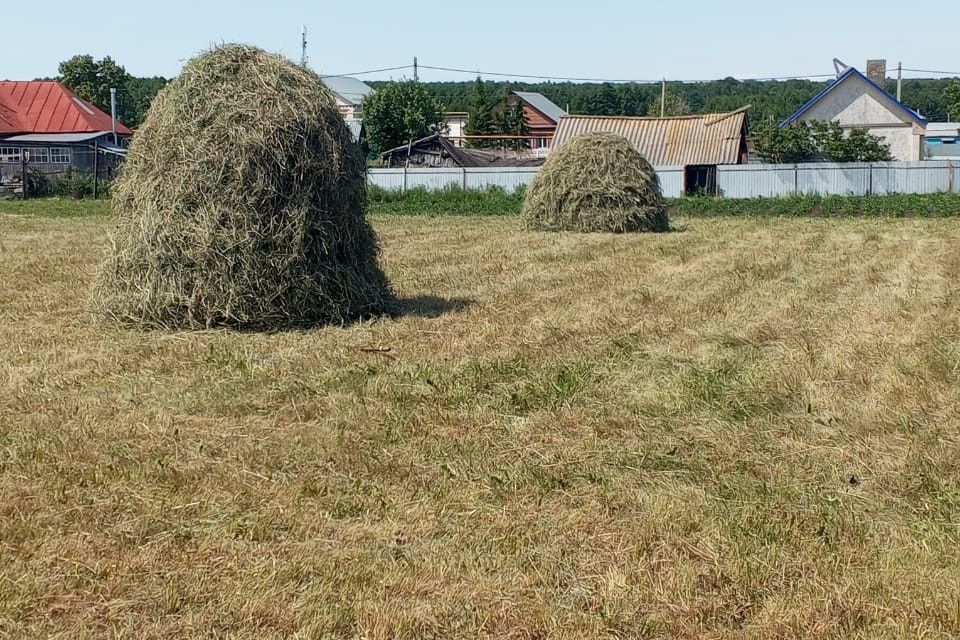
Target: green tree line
770, 100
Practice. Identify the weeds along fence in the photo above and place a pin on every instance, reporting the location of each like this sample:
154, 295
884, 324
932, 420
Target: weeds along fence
733, 181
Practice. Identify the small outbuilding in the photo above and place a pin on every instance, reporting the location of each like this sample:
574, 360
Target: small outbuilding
440, 151
697, 143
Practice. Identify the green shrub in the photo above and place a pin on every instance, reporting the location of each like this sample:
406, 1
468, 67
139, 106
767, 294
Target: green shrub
73, 184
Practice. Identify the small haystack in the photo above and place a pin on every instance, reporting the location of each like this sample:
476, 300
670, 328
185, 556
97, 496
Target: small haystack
242, 203
595, 182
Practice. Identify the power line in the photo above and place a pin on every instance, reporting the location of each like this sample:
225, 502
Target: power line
527, 75
610, 80
363, 73
475, 72
942, 73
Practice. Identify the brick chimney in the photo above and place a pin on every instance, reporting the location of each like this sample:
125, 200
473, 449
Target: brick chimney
877, 71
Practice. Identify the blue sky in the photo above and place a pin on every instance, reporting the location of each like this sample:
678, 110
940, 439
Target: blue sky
600, 39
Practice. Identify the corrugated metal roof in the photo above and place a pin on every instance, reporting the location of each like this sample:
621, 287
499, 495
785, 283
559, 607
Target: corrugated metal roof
352, 91
542, 104
462, 157
715, 138
49, 107
937, 129
56, 137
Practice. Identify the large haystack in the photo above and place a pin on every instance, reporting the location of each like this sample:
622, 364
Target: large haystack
595, 182
242, 203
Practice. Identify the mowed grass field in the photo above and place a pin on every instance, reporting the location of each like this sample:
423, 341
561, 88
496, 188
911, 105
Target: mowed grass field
745, 429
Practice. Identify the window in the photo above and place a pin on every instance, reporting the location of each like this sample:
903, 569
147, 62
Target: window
40, 154
543, 143
60, 155
10, 154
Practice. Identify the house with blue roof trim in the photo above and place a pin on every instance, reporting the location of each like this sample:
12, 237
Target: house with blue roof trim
856, 102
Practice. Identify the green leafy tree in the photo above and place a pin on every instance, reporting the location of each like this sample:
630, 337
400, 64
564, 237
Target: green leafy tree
951, 98
605, 102
137, 96
480, 116
520, 126
399, 112
805, 142
675, 106
512, 121
92, 80
859, 145
784, 145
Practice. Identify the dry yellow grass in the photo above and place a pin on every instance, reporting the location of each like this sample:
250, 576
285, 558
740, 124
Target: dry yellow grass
747, 429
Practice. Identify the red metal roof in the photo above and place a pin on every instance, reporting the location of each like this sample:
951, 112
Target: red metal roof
48, 107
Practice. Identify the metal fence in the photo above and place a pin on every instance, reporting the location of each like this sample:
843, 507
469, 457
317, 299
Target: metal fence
507, 178
733, 181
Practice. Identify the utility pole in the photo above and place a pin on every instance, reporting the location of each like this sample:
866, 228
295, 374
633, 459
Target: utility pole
416, 76
899, 80
663, 97
303, 46
113, 114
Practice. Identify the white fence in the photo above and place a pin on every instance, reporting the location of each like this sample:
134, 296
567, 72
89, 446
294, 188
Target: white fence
733, 181
507, 178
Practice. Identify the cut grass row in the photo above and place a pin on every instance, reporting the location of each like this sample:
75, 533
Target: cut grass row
744, 430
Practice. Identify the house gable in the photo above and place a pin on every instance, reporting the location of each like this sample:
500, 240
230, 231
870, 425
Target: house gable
853, 100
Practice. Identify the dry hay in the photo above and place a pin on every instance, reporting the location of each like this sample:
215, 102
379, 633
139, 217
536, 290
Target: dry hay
595, 182
242, 203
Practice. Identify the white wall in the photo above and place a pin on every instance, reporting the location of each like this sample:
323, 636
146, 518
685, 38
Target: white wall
347, 110
855, 103
455, 126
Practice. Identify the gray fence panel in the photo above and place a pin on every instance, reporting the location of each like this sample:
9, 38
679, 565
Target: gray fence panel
389, 179
752, 181
911, 177
671, 181
507, 178
736, 181
434, 179
833, 179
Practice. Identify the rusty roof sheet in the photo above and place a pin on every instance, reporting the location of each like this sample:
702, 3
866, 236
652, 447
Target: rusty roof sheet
715, 138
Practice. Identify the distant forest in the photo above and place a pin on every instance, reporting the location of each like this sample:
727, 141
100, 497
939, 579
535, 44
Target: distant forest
771, 100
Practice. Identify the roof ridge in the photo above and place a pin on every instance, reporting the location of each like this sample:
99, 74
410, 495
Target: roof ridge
848, 72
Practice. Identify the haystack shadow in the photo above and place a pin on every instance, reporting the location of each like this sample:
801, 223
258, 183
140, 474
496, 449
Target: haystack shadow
430, 307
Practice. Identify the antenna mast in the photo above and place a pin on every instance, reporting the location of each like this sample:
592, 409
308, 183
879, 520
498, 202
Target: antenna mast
303, 47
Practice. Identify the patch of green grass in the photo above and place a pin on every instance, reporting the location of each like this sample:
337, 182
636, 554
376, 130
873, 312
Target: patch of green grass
56, 207
451, 201
895, 205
